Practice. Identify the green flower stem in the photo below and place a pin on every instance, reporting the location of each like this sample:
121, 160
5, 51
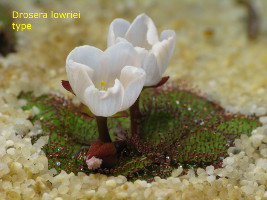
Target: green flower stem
135, 115
103, 129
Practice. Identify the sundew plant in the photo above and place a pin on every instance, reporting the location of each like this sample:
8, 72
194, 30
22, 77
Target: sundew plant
132, 122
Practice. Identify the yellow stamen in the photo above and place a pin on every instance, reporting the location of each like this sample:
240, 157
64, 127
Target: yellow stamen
102, 85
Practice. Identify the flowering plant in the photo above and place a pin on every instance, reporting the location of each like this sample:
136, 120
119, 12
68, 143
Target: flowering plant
111, 81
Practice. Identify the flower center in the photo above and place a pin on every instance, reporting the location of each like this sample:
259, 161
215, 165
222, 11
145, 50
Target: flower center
103, 85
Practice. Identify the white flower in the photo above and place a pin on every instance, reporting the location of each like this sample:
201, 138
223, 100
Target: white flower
107, 82
154, 51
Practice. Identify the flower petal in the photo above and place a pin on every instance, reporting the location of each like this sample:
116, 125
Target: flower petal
117, 28
119, 56
104, 103
132, 79
79, 81
142, 32
120, 39
86, 55
91, 57
163, 50
171, 36
72, 66
74, 69
149, 64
